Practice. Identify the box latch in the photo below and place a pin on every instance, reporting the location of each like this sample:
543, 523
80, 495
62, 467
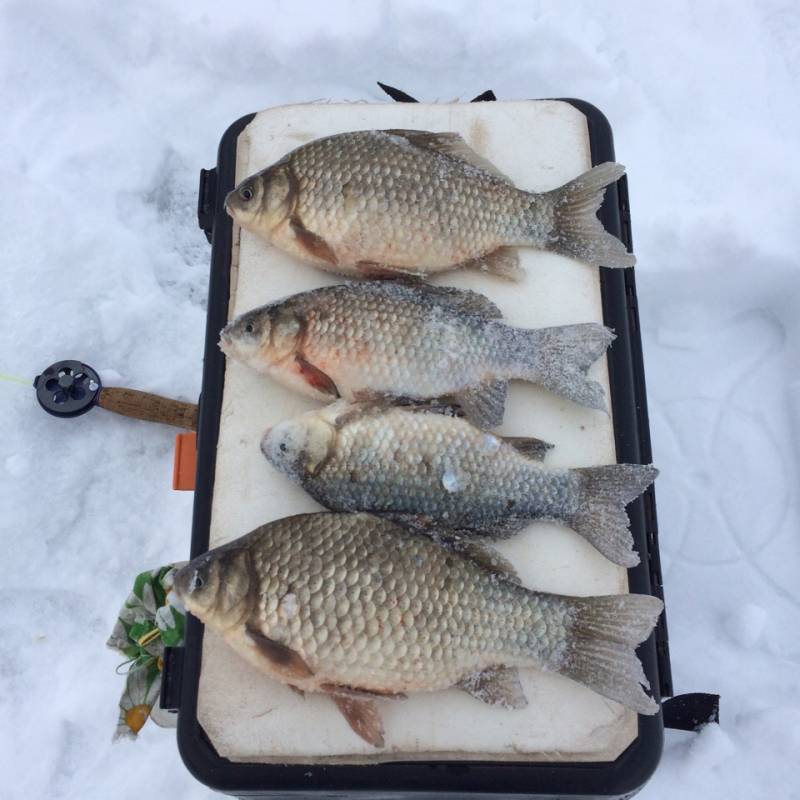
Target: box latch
171, 679
207, 201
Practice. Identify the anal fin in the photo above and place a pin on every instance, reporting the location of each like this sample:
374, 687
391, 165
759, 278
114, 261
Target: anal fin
503, 262
535, 449
484, 404
496, 686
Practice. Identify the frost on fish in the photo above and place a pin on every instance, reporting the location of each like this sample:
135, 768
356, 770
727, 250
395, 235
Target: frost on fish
490, 444
377, 611
378, 203
428, 469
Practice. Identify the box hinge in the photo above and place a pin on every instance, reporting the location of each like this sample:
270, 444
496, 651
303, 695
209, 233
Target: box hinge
171, 679
657, 586
626, 234
207, 201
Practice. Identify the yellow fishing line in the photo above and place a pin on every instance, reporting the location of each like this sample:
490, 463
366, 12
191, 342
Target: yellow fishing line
15, 379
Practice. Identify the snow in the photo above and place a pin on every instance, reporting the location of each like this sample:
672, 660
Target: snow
109, 112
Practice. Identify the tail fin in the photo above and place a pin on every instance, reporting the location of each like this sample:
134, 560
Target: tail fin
601, 640
600, 517
558, 358
576, 231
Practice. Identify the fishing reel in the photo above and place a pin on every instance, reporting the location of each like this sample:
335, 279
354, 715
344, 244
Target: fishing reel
70, 388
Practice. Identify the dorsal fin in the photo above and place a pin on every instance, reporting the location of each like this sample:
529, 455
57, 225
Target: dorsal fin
484, 555
461, 299
368, 404
450, 144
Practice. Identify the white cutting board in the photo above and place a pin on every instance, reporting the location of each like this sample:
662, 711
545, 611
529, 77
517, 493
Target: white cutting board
540, 145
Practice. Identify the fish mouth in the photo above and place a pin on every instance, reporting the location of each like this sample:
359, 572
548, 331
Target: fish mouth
228, 206
265, 443
225, 340
180, 582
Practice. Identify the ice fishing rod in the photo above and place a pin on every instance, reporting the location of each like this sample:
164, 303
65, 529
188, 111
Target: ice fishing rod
70, 388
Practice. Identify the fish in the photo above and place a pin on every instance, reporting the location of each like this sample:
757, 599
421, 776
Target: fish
436, 470
380, 203
411, 340
357, 608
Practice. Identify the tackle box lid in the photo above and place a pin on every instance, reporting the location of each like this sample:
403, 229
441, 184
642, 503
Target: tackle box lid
243, 734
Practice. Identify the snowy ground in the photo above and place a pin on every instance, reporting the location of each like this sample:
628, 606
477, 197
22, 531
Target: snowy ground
109, 111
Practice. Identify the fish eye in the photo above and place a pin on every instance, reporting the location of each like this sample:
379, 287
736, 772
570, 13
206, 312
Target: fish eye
197, 581
282, 447
246, 193
249, 327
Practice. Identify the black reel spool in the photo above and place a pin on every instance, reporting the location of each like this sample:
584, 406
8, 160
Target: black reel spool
67, 388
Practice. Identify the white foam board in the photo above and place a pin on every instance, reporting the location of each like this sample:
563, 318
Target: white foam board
540, 145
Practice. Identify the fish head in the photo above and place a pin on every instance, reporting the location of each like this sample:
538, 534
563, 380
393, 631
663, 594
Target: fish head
263, 200
298, 447
262, 337
218, 587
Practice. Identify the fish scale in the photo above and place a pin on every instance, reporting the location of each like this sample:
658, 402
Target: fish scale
397, 461
402, 622
420, 201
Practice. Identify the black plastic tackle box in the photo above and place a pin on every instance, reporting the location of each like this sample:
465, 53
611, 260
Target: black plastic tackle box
417, 778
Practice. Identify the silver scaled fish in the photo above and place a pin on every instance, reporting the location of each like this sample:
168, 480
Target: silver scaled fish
379, 203
358, 608
434, 470
398, 339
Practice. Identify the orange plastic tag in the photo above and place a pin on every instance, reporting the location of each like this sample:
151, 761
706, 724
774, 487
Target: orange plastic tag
185, 464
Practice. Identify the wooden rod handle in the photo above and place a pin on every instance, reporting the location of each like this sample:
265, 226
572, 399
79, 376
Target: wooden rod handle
148, 407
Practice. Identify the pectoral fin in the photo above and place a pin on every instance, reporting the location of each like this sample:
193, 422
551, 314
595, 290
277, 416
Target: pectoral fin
496, 686
316, 377
362, 716
312, 243
283, 662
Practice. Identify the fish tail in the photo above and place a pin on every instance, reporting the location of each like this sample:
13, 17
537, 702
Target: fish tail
558, 359
600, 517
601, 634
576, 231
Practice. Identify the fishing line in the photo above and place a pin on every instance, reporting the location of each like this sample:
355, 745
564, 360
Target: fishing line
14, 379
